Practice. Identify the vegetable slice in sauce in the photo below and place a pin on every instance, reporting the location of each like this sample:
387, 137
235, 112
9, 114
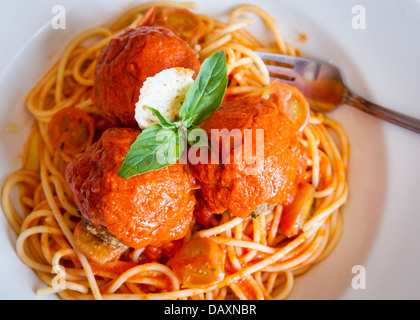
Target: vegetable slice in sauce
71, 130
93, 248
290, 101
149, 18
295, 215
183, 23
199, 262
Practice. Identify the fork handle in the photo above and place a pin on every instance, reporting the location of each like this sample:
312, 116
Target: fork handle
394, 117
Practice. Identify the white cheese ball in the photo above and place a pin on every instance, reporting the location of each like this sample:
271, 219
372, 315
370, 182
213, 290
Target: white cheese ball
165, 92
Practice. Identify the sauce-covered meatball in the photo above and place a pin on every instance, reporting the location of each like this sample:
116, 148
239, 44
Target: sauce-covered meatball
149, 209
129, 60
241, 186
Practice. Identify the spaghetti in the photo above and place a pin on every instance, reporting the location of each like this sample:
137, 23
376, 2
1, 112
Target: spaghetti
263, 263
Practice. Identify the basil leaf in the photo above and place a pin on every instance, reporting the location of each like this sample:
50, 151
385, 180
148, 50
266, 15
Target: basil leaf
154, 149
165, 122
182, 142
207, 92
196, 133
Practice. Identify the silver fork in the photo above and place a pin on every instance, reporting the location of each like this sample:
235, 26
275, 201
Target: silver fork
324, 87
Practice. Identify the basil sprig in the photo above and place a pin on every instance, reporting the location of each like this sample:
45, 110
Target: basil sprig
162, 144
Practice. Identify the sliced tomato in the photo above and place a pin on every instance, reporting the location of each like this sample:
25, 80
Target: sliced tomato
324, 176
164, 252
296, 214
93, 248
290, 101
199, 262
71, 130
148, 18
183, 23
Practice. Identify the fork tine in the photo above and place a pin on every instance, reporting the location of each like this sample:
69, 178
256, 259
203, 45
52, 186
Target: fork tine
301, 67
290, 82
278, 71
276, 57
284, 72
293, 61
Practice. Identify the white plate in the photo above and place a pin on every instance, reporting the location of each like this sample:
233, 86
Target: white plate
380, 62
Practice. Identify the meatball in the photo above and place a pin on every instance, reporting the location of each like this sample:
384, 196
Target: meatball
129, 60
239, 186
149, 209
